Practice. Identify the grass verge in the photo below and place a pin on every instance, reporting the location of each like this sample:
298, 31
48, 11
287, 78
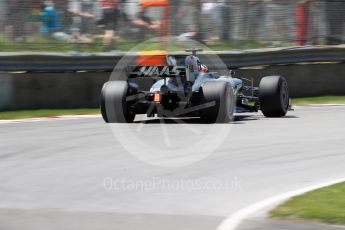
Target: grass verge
326, 205
22, 114
319, 100
40, 43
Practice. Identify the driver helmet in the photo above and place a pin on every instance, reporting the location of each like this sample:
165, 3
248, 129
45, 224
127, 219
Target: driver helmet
203, 68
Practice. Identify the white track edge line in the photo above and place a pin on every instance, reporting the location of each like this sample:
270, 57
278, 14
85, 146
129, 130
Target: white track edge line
234, 220
53, 118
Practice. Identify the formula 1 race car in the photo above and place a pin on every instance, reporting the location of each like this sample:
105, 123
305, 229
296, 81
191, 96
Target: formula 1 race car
190, 90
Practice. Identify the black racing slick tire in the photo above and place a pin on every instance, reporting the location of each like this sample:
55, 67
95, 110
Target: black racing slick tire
114, 105
274, 96
218, 100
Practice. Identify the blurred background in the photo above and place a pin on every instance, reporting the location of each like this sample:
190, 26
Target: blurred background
85, 25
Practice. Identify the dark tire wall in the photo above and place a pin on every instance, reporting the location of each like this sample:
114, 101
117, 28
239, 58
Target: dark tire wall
82, 90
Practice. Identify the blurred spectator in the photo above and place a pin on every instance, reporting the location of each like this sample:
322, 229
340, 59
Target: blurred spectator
335, 15
50, 18
269, 26
82, 19
17, 12
3, 10
278, 24
226, 20
34, 19
254, 16
275, 22
51, 24
210, 16
109, 20
186, 17
144, 22
209, 28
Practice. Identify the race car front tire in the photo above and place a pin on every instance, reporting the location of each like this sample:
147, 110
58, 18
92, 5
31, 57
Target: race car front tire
219, 101
274, 96
114, 105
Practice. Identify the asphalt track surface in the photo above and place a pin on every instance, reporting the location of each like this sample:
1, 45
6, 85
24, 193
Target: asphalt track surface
53, 174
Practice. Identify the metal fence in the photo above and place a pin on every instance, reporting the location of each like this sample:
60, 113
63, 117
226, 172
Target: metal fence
67, 25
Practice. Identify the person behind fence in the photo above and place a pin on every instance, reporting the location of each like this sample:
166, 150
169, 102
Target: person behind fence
109, 20
187, 20
144, 22
17, 11
50, 18
82, 19
34, 22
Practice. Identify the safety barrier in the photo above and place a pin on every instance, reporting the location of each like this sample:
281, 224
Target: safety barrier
31, 81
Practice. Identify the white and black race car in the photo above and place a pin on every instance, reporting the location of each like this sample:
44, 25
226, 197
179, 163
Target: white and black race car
191, 91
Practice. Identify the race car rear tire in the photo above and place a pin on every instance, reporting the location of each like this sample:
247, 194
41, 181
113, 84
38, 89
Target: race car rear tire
274, 96
114, 106
219, 101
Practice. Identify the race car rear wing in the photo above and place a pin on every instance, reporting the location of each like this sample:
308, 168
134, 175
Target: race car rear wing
155, 71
